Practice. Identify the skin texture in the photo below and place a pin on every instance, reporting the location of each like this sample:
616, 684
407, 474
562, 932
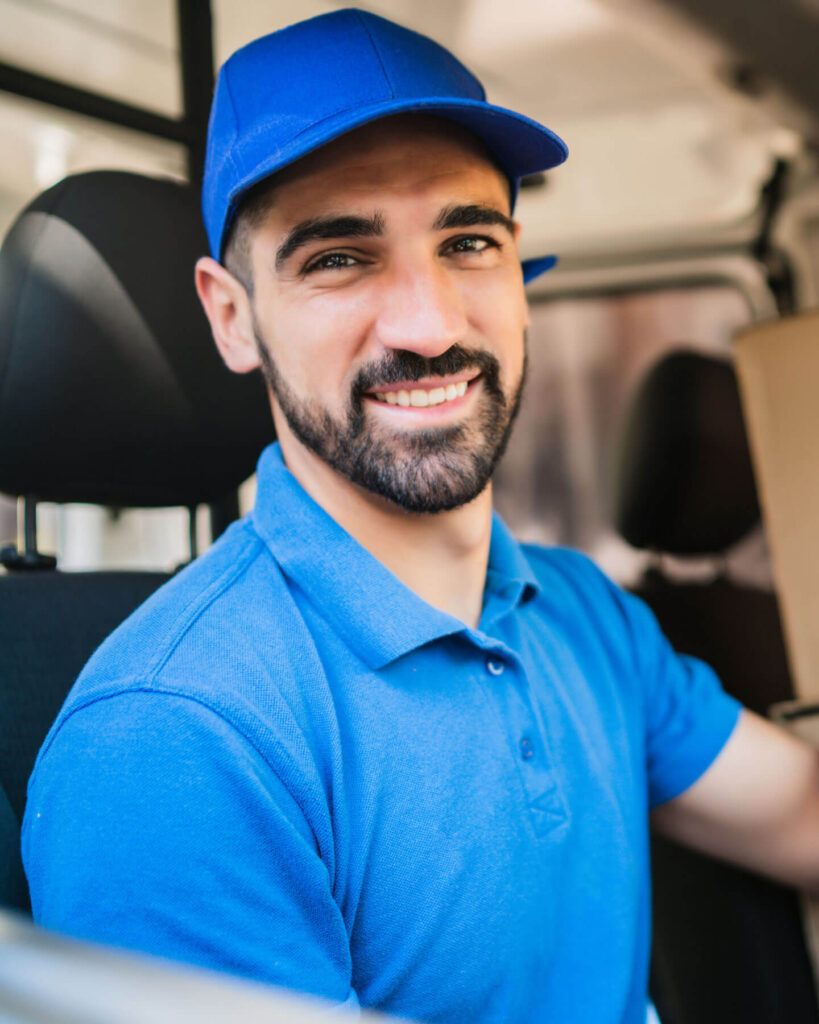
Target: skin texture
332, 320
756, 806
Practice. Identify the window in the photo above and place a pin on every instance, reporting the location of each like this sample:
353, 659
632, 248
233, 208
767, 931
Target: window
586, 356
126, 50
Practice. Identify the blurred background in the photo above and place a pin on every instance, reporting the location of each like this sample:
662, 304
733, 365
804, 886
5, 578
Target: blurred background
689, 206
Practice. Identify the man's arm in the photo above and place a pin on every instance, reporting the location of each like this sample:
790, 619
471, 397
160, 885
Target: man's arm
757, 805
153, 824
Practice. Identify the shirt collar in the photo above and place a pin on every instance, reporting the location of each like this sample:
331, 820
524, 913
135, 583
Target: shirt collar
378, 615
510, 579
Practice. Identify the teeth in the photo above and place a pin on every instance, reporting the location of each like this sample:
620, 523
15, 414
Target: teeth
419, 399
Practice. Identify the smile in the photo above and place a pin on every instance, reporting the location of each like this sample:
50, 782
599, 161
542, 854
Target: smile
420, 398
413, 395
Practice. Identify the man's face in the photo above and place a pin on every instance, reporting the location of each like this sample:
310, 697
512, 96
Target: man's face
389, 311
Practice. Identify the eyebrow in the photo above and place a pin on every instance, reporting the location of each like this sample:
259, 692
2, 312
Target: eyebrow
472, 215
348, 226
324, 228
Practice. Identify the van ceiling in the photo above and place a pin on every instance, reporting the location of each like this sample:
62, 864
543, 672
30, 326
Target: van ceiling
777, 41
674, 110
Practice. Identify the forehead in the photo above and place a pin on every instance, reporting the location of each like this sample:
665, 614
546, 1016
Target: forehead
409, 156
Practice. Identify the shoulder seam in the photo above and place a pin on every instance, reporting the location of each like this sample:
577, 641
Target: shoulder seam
191, 612
125, 690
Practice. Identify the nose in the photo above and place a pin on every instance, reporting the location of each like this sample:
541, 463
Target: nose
421, 310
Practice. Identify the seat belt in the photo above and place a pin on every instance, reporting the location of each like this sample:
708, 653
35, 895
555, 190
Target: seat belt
778, 370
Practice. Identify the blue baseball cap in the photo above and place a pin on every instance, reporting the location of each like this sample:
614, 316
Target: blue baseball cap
289, 93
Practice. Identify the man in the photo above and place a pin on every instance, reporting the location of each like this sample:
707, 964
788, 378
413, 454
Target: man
369, 747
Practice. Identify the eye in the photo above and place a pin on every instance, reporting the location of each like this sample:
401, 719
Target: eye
331, 261
472, 244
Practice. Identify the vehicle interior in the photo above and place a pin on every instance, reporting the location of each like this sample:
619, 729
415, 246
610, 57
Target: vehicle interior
666, 428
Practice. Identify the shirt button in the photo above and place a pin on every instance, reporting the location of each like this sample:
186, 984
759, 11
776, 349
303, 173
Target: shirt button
494, 667
527, 751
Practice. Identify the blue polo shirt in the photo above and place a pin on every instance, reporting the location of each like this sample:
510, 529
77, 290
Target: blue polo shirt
288, 766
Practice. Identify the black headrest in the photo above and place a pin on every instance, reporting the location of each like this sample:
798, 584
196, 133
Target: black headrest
111, 388
685, 482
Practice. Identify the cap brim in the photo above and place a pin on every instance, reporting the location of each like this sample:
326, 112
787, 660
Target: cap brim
520, 145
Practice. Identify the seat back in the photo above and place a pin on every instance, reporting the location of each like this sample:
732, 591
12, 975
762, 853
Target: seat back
728, 945
50, 623
112, 393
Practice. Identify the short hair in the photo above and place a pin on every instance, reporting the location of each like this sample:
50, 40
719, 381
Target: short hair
253, 207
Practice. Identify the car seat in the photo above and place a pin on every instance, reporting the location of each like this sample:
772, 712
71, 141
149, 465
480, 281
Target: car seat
111, 393
728, 945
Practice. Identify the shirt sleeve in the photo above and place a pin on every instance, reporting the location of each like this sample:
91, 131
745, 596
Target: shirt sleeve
688, 716
153, 824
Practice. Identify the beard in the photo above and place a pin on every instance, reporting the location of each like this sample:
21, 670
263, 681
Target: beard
421, 471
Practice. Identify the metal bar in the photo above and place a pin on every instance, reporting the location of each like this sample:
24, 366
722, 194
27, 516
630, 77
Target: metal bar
195, 25
80, 101
193, 540
30, 524
649, 272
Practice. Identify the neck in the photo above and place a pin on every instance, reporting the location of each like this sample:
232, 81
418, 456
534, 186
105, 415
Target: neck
441, 556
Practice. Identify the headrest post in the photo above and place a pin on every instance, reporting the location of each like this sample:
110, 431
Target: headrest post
29, 524
29, 558
192, 538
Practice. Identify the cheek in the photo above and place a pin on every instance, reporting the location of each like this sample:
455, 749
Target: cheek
499, 312
315, 346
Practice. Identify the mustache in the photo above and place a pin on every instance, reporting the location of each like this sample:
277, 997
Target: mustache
399, 365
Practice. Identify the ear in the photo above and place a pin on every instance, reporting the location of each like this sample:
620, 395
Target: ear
227, 307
